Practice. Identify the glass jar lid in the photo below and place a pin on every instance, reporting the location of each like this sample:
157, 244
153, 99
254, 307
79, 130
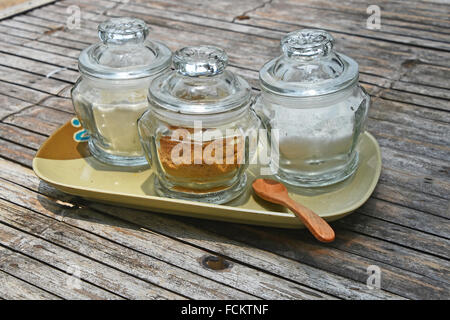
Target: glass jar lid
124, 52
308, 66
199, 84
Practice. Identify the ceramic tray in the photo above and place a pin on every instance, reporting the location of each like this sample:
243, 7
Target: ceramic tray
64, 162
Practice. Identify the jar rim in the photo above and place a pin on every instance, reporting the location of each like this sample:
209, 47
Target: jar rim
276, 86
308, 67
175, 105
88, 66
202, 90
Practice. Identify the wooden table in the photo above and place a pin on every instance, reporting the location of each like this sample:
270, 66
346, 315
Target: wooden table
54, 246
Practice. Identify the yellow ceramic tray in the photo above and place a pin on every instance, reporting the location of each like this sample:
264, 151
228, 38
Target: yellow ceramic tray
64, 162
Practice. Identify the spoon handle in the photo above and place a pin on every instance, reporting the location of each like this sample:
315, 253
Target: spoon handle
318, 226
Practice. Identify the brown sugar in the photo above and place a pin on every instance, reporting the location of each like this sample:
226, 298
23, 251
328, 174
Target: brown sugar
198, 169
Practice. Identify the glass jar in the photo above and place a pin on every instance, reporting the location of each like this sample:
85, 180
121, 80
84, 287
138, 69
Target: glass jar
199, 128
311, 96
111, 93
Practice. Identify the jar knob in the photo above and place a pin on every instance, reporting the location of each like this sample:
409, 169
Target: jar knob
307, 44
200, 61
123, 30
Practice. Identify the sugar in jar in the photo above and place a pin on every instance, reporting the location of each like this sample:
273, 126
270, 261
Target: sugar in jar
311, 98
199, 128
111, 93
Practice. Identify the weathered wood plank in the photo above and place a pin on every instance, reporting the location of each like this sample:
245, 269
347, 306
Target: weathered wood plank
410, 146
380, 250
32, 81
51, 25
396, 66
11, 105
301, 247
14, 40
125, 213
416, 11
407, 114
127, 6
435, 268
59, 103
46, 57
21, 136
169, 249
416, 99
422, 89
44, 69
20, 35
430, 75
348, 23
138, 265
12, 288
21, 6
23, 26
400, 56
64, 260
16, 153
163, 248
250, 75
22, 93
331, 16
418, 165
46, 120
407, 217
412, 199
416, 182
151, 244
346, 42
41, 275
220, 10
53, 48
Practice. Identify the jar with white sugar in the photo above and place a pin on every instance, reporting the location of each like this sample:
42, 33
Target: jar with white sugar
311, 96
111, 93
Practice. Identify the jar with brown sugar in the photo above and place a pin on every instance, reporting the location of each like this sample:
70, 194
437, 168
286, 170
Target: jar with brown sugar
200, 131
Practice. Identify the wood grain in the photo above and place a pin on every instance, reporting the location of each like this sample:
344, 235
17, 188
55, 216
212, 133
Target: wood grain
129, 254
13, 288
161, 223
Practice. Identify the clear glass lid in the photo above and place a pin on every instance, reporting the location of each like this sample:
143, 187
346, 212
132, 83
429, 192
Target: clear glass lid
199, 84
124, 52
308, 66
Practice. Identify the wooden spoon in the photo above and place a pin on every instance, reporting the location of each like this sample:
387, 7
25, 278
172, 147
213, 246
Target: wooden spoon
276, 192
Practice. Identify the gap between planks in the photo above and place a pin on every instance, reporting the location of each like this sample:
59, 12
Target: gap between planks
49, 52
82, 230
400, 268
